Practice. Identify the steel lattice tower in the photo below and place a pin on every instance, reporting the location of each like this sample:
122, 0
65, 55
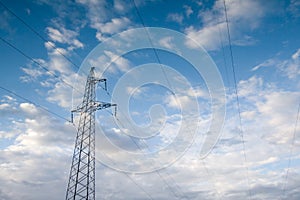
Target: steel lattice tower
81, 184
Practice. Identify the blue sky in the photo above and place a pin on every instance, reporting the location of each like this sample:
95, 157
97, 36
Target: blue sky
257, 152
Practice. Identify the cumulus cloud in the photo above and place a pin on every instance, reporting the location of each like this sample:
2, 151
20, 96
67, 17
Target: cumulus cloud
5, 21
266, 63
36, 157
168, 42
103, 20
64, 36
112, 61
4, 106
36, 154
188, 10
32, 74
294, 8
121, 6
58, 64
288, 67
116, 25
241, 20
44, 146
175, 17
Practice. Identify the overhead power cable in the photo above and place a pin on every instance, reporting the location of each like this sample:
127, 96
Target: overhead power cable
157, 57
36, 104
211, 176
37, 63
168, 82
285, 183
156, 171
223, 54
34, 61
67, 120
39, 35
238, 101
152, 47
127, 175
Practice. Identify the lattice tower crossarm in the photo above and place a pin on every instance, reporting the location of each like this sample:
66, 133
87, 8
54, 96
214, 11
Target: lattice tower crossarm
81, 184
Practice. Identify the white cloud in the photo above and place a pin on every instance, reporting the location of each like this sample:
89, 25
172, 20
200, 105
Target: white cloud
178, 102
119, 63
59, 64
40, 156
64, 36
36, 156
167, 42
4, 106
103, 20
267, 63
28, 108
135, 92
32, 74
116, 25
57, 61
65, 95
8, 98
60, 89
96, 10
184, 98
268, 106
207, 37
61, 94
246, 87
121, 6
188, 10
5, 21
294, 8
175, 17
38, 153
8, 109
288, 67
296, 56
241, 19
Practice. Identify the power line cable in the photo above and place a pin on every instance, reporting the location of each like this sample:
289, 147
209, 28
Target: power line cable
62, 54
223, 54
157, 172
38, 34
126, 174
42, 38
61, 117
37, 63
152, 47
212, 177
237, 100
140, 187
138, 146
291, 153
36, 104
52, 46
156, 54
158, 59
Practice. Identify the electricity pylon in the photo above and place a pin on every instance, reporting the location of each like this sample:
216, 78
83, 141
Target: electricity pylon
81, 184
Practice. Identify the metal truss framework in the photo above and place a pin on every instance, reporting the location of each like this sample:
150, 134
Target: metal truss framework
81, 184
